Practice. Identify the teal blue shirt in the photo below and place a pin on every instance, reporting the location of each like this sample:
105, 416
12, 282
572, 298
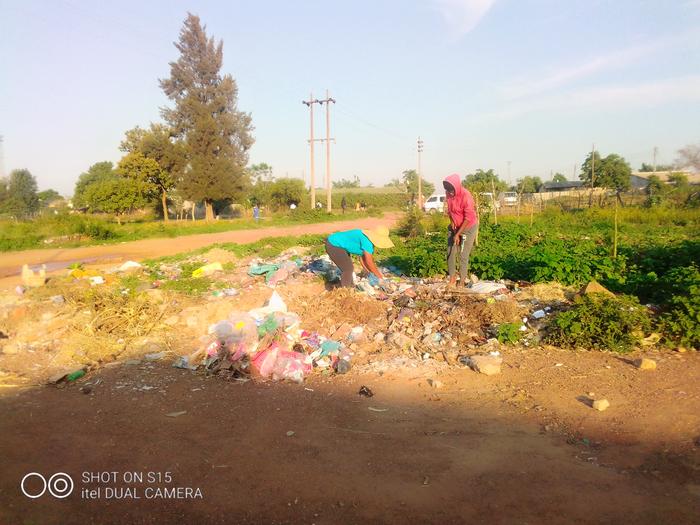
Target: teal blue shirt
354, 241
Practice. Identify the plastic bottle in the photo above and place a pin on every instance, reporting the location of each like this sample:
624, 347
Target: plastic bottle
75, 375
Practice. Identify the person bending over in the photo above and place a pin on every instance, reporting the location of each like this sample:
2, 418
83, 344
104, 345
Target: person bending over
341, 245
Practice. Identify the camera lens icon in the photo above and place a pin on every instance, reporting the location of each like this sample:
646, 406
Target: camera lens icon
60, 485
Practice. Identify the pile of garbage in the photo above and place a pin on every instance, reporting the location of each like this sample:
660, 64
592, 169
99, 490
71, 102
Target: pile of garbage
266, 343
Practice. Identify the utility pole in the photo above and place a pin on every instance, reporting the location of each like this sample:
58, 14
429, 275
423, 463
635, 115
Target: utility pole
509, 172
419, 144
590, 199
656, 150
327, 101
311, 103
2, 159
574, 174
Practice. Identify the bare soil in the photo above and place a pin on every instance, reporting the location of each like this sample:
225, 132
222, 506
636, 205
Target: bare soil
437, 443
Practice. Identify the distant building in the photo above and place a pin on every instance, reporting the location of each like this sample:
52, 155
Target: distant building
567, 185
640, 179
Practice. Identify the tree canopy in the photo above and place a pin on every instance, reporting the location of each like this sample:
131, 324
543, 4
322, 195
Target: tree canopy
528, 185
410, 180
484, 182
18, 194
559, 177
217, 136
157, 144
649, 168
689, 157
345, 183
46, 197
612, 172
98, 172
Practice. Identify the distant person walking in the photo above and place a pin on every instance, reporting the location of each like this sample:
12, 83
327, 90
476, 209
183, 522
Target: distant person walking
340, 245
256, 213
462, 230
343, 204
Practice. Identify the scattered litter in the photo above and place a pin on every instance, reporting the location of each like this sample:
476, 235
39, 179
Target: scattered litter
97, 279
19, 289
539, 314
484, 287
378, 409
75, 375
290, 433
208, 269
176, 414
31, 279
365, 391
601, 404
129, 265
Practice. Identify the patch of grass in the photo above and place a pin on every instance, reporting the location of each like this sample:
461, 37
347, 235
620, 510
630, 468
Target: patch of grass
188, 285
130, 283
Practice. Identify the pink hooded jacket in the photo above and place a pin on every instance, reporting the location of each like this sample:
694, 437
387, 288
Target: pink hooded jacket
460, 207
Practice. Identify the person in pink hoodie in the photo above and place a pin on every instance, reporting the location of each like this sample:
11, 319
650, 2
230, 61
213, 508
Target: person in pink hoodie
463, 227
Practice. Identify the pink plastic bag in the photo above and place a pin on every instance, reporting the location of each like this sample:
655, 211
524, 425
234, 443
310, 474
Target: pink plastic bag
264, 361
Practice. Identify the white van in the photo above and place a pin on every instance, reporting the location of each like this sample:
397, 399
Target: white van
435, 203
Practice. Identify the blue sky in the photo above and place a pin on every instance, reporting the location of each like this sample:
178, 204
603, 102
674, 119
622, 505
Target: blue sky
483, 82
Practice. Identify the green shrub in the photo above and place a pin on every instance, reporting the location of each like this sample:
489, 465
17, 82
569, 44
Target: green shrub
681, 321
508, 333
95, 229
411, 225
598, 321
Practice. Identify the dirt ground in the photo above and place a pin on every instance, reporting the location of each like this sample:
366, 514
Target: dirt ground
436, 443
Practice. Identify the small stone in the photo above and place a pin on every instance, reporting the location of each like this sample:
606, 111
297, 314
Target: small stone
435, 383
601, 404
645, 364
290, 433
596, 287
486, 364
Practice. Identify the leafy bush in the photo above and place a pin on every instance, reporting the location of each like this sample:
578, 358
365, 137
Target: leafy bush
97, 230
598, 321
411, 225
681, 321
508, 333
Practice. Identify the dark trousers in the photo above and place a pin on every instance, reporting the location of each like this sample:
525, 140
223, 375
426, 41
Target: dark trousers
342, 260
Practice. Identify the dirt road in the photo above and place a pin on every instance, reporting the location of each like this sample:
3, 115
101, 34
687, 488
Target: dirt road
57, 258
314, 453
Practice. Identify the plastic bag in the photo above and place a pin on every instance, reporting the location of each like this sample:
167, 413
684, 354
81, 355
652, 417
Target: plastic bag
292, 366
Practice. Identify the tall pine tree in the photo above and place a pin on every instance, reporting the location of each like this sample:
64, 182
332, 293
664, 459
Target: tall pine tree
217, 136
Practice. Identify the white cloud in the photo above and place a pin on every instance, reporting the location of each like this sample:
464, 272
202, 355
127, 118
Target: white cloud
462, 16
608, 98
566, 75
